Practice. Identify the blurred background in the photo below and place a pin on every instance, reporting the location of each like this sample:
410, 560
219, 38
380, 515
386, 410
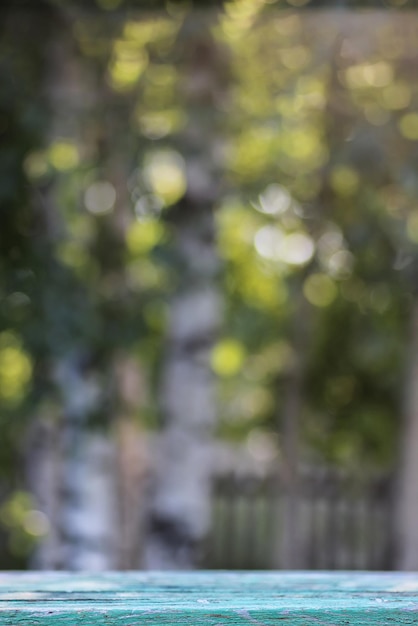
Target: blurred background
209, 271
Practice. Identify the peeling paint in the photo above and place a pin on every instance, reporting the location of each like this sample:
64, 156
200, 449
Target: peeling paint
209, 599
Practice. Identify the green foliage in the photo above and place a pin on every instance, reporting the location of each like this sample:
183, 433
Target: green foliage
316, 225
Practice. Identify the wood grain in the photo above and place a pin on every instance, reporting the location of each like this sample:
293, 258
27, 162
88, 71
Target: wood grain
208, 599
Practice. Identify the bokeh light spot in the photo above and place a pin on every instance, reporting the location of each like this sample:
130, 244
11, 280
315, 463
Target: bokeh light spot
340, 264
63, 155
100, 197
127, 65
412, 226
36, 523
296, 249
377, 74
397, 95
36, 164
15, 368
144, 235
227, 357
274, 200
164, 172
267, 242
344, 180
408, 125
293, 248
320, 290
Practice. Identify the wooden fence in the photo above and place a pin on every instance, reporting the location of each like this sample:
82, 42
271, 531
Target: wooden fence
343, 522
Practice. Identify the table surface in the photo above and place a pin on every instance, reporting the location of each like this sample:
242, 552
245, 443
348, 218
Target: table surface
208, 598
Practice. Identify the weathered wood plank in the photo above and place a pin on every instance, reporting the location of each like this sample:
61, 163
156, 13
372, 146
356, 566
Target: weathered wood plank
209, 599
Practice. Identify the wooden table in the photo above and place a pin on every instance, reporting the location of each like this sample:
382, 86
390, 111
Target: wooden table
208, 599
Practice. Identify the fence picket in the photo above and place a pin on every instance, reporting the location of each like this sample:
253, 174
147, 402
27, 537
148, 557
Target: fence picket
344, 522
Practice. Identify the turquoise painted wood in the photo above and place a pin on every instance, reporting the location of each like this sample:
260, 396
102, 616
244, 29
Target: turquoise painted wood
208, 599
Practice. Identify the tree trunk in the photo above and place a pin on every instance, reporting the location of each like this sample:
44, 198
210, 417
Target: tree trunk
42, 471
291, 551
179, 518
292, 545
88, 507
180, 510
89, 522
133, 461
406, 498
